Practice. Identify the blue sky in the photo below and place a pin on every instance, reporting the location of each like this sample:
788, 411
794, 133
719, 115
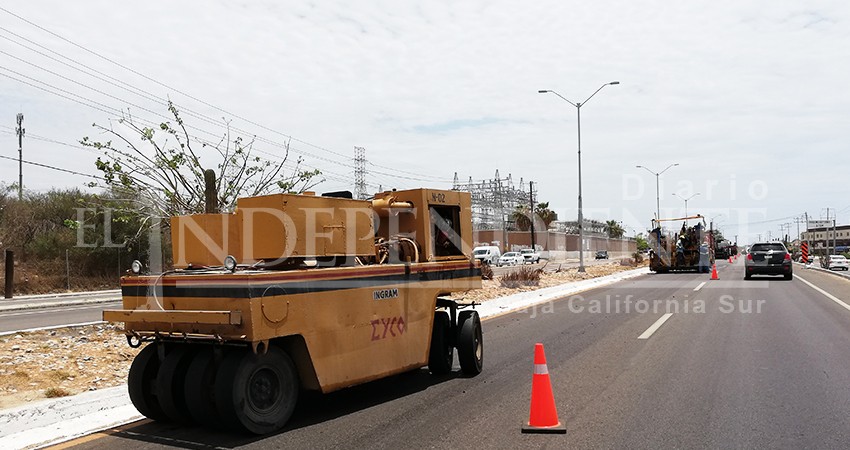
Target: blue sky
747, 96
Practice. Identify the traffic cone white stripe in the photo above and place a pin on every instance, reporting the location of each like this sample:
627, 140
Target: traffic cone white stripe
541, 369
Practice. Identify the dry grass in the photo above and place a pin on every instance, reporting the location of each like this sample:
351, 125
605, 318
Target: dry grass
524, 276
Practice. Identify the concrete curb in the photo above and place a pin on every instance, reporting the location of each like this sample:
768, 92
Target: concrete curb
523, 300
54, 304
54, 421
845, 275
67, 294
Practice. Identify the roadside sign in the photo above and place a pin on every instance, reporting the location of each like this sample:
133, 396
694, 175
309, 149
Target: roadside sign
819, 223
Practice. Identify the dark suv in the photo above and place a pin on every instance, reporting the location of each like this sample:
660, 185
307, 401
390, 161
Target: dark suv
769, 258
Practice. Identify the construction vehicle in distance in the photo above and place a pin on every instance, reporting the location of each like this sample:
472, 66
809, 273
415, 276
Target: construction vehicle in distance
300, 292
724, 249
689, 249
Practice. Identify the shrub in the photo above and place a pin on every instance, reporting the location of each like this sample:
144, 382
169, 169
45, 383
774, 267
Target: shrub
486, 272
638, 257
56, 392
524, 276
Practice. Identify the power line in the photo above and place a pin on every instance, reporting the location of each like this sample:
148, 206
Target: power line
290, 137
101, 106
46, 166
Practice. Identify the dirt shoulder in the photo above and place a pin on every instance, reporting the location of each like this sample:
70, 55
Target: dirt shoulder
68, 361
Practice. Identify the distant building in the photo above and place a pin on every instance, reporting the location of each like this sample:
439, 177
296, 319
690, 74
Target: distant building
818, 237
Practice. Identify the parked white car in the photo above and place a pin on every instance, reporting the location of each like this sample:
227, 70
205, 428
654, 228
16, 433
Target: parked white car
530, 256
511, 259
838, 262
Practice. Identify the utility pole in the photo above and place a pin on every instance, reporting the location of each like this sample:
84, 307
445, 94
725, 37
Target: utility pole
785, 229
798, 220
826, 235
834, 234
531, 199
20, 131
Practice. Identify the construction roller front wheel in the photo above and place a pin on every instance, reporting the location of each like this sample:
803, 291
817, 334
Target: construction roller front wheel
470, 343
257, 393
441, 354
141, 383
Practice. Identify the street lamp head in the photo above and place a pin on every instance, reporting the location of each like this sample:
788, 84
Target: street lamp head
542, 91
614, 82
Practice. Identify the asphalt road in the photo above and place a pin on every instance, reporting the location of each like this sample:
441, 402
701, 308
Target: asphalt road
739, 364
53, 316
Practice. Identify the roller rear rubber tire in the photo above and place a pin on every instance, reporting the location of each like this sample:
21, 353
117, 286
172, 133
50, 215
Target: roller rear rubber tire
257, 393
470, 343
171, 382
199, 387
141, 386
441, 353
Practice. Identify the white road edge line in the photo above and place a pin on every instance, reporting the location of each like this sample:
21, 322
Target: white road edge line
827, 294
646, 334
700, 286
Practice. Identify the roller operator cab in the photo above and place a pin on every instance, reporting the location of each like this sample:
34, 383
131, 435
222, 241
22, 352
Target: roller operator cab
300, 292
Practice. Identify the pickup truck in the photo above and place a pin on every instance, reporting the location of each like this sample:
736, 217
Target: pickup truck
530, 256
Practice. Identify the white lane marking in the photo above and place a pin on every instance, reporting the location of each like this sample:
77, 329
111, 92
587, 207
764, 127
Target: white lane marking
700, 286
827, 294
646, 334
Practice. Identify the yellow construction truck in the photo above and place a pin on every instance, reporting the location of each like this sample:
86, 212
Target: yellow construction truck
300, 292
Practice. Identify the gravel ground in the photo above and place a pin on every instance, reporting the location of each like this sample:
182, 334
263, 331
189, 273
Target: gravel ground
69, 361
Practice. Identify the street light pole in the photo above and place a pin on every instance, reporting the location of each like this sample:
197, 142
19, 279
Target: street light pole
657, 190
578, 106
686, 203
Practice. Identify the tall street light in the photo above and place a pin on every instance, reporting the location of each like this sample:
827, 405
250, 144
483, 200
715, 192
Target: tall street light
580, 211
686, 202
657, 194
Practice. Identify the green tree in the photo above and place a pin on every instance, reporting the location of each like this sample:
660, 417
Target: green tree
614, 229
546, 215
522, 219
164, 175
642, 244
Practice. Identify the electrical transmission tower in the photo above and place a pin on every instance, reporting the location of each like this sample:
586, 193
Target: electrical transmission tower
360, 173
493, 201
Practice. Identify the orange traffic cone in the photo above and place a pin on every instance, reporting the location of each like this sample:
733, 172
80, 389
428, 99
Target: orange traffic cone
730, 260
714, 272
544, 415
